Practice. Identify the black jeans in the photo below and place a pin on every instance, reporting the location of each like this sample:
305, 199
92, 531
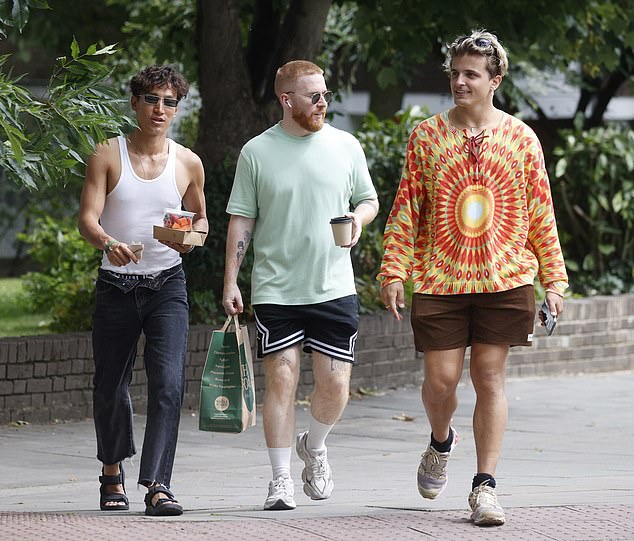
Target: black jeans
125, 307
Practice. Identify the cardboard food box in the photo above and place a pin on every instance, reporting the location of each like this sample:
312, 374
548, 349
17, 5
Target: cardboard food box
193, 238
177, 227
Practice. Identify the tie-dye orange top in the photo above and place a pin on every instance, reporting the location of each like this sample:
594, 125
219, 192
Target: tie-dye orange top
473, 214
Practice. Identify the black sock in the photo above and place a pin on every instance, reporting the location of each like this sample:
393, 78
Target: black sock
481, 478
445, 446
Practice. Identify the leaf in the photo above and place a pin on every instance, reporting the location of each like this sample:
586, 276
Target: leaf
403, 417
74, 49
386, 77
109, 49
20, 13
364, 391
606, 249
560, 168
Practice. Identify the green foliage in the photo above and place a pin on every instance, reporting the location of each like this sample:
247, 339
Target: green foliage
384, 143
45, 141
66, 288
15, 13
598, 35
594, 198
157, 32
339, 56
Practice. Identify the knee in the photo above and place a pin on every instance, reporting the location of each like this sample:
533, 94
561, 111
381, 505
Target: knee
281, 382
333, 384
438, 388
489, 382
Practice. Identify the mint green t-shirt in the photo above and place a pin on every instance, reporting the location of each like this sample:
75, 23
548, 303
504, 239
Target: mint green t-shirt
293, 186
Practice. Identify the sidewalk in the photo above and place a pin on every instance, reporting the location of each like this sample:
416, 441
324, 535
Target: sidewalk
566, 473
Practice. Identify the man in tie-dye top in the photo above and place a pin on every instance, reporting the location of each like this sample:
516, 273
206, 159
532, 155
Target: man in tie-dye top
472, 225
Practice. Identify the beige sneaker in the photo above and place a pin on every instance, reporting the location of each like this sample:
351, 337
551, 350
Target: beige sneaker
486, 511
432, 470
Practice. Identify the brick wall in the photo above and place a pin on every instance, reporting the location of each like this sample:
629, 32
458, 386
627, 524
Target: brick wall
48, 378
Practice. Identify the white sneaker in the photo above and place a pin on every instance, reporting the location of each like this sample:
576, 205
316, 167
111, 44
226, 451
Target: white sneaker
316, 475
432, 470
486, 509
281, 492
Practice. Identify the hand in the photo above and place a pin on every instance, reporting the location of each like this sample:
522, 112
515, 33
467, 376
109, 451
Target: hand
357, 228
393, 297
232, 300
120, 255
180, 248
555, 303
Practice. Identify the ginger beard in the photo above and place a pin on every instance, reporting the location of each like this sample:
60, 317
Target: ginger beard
309, 121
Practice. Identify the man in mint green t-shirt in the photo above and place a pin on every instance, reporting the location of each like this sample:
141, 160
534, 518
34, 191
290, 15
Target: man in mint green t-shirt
289, 182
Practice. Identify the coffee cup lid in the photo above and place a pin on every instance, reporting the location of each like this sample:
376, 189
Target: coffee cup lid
341, 220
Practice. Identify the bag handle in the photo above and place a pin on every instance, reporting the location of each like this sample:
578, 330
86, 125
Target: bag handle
228, 322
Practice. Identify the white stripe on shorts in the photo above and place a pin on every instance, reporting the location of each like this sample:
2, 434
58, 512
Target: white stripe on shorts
270, 347
333, 351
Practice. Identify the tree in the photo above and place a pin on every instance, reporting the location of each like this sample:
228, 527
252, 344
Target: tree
45, 139
235, 79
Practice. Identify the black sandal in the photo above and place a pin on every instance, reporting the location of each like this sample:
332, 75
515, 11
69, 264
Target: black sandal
115, 498
164, 507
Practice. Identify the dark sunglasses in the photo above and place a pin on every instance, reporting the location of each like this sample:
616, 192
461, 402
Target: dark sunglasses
315, 97
479, 42
153, 100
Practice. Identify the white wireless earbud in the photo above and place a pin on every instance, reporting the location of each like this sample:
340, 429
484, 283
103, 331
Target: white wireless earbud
289, 103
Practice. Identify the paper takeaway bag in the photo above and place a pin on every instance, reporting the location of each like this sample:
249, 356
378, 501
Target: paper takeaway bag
227, 393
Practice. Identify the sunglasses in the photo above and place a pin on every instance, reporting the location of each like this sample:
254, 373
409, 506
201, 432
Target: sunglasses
479, 42
316, 96
153, 100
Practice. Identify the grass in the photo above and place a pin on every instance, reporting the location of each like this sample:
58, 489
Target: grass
16, 319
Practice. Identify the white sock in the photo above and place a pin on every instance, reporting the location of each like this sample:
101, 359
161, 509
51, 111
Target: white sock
280, 458
317, 434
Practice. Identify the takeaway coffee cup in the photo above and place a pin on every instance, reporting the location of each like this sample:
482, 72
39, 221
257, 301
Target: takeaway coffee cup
342, 230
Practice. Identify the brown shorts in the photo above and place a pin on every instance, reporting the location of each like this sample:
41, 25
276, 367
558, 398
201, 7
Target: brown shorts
443, 322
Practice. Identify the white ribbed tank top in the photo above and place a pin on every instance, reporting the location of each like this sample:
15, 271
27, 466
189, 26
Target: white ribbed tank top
134, 206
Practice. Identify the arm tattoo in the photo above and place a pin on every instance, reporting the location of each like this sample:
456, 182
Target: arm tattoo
242, 247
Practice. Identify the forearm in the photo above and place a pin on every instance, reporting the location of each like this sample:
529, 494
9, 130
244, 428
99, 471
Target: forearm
238, 239
367, 210
93, 233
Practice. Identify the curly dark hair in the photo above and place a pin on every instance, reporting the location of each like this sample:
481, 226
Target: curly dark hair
159, 76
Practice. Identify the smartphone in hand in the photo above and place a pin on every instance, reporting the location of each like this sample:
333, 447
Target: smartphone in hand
547, 318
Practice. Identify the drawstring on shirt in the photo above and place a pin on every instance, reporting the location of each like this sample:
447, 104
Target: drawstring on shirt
474, 144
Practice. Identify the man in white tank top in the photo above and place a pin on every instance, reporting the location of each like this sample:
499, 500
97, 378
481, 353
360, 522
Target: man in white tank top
129, 182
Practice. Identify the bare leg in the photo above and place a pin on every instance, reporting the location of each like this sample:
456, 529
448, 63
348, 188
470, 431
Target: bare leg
332, 387
442, 375
281, 374
488, 371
